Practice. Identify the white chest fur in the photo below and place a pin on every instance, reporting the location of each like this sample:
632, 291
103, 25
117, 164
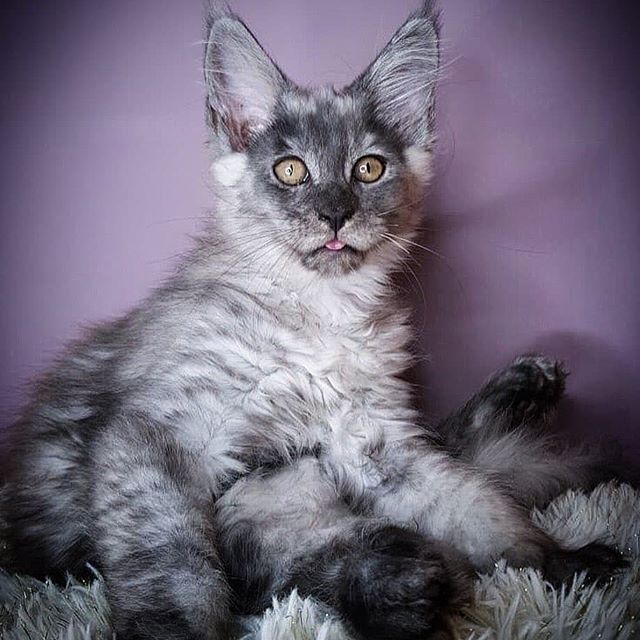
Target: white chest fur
282, 379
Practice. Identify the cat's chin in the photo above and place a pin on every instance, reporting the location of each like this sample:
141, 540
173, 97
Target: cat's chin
332, 263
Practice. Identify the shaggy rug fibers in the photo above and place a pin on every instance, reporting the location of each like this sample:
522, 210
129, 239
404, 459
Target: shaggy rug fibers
509, 604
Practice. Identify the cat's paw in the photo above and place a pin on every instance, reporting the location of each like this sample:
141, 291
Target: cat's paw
599, 560
396, 588
529, 388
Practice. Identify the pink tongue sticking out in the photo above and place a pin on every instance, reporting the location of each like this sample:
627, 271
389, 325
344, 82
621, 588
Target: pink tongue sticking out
334, 245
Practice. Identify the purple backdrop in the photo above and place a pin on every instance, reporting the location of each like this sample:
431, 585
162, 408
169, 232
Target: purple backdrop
534, 210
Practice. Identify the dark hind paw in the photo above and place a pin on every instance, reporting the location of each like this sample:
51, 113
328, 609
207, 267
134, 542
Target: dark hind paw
599, 560
397, 588
528, 389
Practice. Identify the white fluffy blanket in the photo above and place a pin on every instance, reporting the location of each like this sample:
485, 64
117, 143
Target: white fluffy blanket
509, 604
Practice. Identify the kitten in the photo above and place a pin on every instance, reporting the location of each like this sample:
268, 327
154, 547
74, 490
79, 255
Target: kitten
279, 341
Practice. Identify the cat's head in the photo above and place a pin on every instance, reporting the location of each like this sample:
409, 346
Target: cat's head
329, 177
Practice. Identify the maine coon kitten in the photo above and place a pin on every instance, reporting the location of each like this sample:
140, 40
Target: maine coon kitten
280, 341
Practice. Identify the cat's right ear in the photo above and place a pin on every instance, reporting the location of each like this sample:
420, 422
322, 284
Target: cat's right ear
242, 81
400, 83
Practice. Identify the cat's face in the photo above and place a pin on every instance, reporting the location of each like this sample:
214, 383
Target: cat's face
333, 185
328, 177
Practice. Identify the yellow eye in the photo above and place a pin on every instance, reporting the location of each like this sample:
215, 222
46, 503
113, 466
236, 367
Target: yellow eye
368, 169
291, 171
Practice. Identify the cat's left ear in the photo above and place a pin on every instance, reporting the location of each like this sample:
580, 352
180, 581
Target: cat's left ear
400, 83
243, 83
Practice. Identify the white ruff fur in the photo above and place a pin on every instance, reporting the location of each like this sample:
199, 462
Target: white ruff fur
510, 604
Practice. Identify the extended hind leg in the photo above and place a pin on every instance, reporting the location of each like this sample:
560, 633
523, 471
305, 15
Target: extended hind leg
498, 430
288, 529
526, 392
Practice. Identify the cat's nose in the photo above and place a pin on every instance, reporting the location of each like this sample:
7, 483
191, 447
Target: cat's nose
336, 218
337, 205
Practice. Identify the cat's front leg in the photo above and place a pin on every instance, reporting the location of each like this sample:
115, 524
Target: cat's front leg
288, 528
152, 529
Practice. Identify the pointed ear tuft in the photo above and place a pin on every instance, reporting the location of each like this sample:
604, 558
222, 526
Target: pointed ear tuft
400, 83
242, 82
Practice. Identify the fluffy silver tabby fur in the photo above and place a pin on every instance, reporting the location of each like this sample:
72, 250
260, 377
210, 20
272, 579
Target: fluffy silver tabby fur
509, 604
259, 391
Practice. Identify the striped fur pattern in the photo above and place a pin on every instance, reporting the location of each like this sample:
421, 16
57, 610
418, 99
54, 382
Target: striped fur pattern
259, 389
